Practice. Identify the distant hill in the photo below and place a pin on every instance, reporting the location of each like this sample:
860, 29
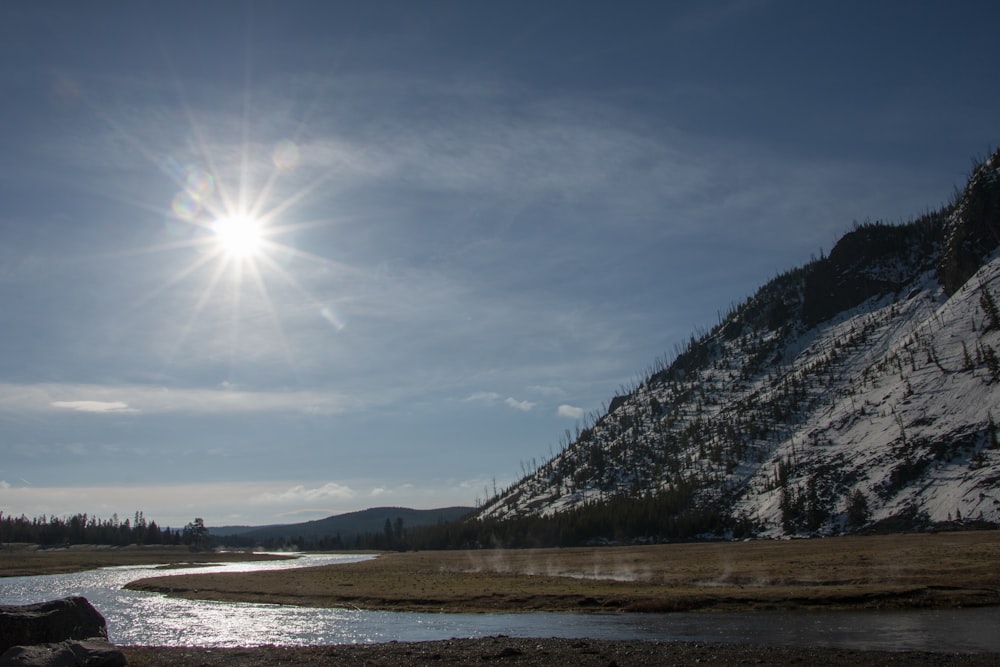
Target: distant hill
858, 392
346, 525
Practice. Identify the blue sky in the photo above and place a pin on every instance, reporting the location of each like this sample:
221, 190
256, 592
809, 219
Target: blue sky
475, 220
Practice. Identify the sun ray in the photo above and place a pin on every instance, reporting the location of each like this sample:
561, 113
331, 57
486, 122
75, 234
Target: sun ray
265, 191
303, 192
199, 306
176, 279
235, 311
273, 316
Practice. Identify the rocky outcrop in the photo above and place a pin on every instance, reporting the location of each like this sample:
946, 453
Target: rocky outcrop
973, 228
872, 260
59, 633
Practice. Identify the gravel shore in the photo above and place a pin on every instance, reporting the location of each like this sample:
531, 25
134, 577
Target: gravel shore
540, 652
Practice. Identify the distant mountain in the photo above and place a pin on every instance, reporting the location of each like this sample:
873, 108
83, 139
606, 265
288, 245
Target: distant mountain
346, 525
858, 392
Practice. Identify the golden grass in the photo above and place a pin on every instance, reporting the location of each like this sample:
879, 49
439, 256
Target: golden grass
22, 560
945, 569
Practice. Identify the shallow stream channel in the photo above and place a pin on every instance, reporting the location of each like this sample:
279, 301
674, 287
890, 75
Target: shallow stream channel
151, 619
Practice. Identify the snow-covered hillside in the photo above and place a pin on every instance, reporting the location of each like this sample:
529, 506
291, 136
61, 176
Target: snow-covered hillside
861, 389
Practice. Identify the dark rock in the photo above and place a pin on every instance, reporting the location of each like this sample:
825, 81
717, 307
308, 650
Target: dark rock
87, 653
98, 653
864, 263
49, 655
49, 622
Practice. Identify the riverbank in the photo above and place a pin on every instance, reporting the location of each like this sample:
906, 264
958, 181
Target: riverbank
854, 572
510, 651
23, 560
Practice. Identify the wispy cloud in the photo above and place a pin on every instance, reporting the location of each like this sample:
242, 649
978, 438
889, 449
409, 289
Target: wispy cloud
524, 406
493, 398
547, 390
383, 491
301, 493
152, 400
94, 406
487, 397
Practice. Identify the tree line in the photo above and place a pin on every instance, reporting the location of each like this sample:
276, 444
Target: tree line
394, 536
623, 518
85, 529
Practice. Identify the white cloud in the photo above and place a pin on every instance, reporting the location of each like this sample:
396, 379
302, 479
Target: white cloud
570, 411
149, 399
302, 493
525, 406
400, 490
487, 397
94, 406
493, 398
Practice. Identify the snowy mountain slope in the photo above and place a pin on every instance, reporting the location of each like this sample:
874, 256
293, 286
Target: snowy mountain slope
860, 389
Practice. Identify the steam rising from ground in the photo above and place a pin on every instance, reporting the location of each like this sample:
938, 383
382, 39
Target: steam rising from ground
602, 567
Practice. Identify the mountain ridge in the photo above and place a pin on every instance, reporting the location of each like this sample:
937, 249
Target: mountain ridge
855, 392
347, 525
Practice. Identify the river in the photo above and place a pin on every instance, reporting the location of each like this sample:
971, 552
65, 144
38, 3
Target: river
137, 618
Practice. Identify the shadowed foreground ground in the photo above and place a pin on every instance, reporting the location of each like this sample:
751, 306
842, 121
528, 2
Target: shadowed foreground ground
538, 652
887, 571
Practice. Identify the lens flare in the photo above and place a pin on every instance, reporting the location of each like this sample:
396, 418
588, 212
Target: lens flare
285, 155
185, 206
199, 184
331, 316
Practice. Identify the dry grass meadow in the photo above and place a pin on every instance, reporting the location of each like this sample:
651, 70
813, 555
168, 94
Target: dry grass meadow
907, 570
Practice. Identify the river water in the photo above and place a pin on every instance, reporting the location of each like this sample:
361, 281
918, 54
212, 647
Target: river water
136, 618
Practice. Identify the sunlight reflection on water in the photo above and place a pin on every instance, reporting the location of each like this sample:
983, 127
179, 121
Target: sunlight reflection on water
137, 618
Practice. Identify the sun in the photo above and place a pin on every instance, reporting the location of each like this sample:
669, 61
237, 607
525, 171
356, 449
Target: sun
239, 236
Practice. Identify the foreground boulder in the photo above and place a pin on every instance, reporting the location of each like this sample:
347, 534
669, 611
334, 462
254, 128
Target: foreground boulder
54, 621
59, 633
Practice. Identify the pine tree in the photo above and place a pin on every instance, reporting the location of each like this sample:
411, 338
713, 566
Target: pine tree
990, 306
857, 509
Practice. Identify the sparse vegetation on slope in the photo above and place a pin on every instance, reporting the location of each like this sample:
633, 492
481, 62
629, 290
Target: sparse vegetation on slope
854, 393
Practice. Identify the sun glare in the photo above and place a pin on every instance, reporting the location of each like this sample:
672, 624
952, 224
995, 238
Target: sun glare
239, 237
238, 229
